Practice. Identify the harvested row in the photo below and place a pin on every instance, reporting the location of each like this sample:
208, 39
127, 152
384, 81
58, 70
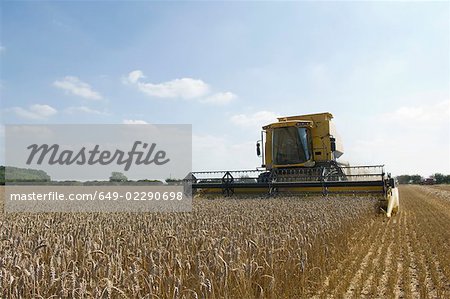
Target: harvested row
407, 256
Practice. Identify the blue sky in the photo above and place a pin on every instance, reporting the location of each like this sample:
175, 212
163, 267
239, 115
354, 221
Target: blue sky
382, 69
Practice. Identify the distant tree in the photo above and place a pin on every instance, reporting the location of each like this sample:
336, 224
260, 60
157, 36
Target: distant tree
416, 179
15, 174
409, 179
2, 175
171, 181
117, 177
442, 178
403, 179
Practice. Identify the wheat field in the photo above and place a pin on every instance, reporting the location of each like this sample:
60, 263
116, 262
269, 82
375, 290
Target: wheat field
284, 247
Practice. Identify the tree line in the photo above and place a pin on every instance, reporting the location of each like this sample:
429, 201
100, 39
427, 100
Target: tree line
417, 179
16, 175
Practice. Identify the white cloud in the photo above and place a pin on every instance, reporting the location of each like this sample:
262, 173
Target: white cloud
84, 109
412, 139
210, 152
134, 76
77, 87
134, 122
259, 119
429, 114
34, 112
184, 88
220, 98
408, 153
2, 49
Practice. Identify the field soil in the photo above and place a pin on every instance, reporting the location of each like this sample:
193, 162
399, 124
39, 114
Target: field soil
406, 256
284, 247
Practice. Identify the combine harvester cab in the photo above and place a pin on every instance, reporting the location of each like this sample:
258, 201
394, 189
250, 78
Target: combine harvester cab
300, 155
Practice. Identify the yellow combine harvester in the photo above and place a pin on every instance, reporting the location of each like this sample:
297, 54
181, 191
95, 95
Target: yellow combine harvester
300, 155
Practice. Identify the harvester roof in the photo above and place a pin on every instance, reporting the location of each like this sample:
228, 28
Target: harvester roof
314, 117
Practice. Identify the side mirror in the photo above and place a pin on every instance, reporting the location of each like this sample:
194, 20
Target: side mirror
333, 144
392, 183
258, 148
